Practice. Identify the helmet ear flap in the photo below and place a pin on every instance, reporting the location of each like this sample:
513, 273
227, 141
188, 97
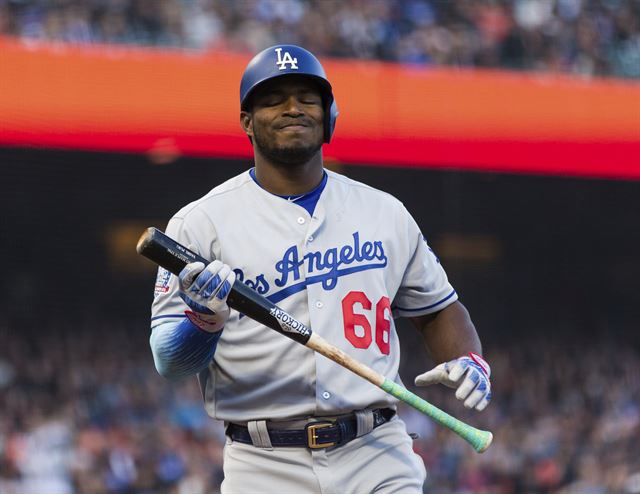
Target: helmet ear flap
330, 118
282, 60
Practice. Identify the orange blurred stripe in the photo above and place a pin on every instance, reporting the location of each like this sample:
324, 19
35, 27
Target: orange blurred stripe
128, 98
135, 89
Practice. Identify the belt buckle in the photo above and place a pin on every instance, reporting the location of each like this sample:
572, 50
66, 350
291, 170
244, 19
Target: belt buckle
312, 436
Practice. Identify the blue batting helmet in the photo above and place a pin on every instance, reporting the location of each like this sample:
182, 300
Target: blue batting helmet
283, 60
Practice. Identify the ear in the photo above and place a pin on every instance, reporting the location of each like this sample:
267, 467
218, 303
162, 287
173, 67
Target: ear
246, 122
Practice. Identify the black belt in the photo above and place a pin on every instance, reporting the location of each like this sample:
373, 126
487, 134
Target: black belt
318, 434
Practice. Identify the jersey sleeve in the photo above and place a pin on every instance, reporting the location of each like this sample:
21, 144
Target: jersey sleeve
167, 304
425, 287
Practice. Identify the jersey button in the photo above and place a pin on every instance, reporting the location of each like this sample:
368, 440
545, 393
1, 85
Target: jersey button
301, 220
326, 395
310, 239
319, 304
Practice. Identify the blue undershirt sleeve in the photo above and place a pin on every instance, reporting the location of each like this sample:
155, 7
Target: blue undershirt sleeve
182, 349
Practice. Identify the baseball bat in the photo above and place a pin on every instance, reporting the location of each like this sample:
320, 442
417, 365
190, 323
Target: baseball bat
172, 256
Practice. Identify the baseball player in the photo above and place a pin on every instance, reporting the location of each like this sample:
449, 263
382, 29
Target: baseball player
338, 255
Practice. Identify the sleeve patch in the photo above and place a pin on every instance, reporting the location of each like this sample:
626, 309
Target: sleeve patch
162, 282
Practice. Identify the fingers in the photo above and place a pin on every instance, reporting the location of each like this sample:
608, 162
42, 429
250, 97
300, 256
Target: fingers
218, 301
484, 402
457, 369
474, 389
216, 281
205, 281
207, 287
226, 278
468, 385
189, 273
479, 398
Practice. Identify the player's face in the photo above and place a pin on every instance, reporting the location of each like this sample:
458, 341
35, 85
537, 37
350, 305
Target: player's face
286, 122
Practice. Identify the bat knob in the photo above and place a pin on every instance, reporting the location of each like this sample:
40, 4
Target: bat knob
145, 239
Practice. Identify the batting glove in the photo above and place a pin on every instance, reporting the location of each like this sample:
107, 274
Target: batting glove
469, 374
205, 291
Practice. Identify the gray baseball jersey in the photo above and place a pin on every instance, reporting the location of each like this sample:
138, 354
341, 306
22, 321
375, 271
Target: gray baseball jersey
346, 271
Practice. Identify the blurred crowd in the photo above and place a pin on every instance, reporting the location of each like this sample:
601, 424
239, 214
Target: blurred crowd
83, 411
583, 37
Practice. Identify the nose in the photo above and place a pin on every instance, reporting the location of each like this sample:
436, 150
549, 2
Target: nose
293, 107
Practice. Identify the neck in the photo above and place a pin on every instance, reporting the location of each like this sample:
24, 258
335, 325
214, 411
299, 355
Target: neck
289, 179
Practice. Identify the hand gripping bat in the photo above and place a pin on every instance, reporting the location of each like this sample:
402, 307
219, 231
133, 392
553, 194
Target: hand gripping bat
172, 256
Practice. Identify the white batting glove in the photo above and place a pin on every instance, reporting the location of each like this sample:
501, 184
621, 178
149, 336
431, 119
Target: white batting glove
469, 374
205, 291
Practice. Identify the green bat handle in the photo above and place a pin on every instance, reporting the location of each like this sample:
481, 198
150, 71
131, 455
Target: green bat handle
479, 439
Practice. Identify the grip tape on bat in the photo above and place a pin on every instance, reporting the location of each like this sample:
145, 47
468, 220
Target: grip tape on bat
173, 257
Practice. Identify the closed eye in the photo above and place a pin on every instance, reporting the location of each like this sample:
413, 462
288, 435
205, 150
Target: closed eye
310, 99
271, 101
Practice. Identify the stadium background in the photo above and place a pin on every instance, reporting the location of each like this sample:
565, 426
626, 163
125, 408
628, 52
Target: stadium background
522, 170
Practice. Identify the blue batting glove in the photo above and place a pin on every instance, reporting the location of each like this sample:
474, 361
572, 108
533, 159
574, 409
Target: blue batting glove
469, 374
205, 291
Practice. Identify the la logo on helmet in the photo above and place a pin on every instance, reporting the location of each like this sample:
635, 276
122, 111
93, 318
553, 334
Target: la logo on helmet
287, 59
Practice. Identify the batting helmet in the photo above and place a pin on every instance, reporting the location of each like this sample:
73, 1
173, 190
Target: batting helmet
283, 60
